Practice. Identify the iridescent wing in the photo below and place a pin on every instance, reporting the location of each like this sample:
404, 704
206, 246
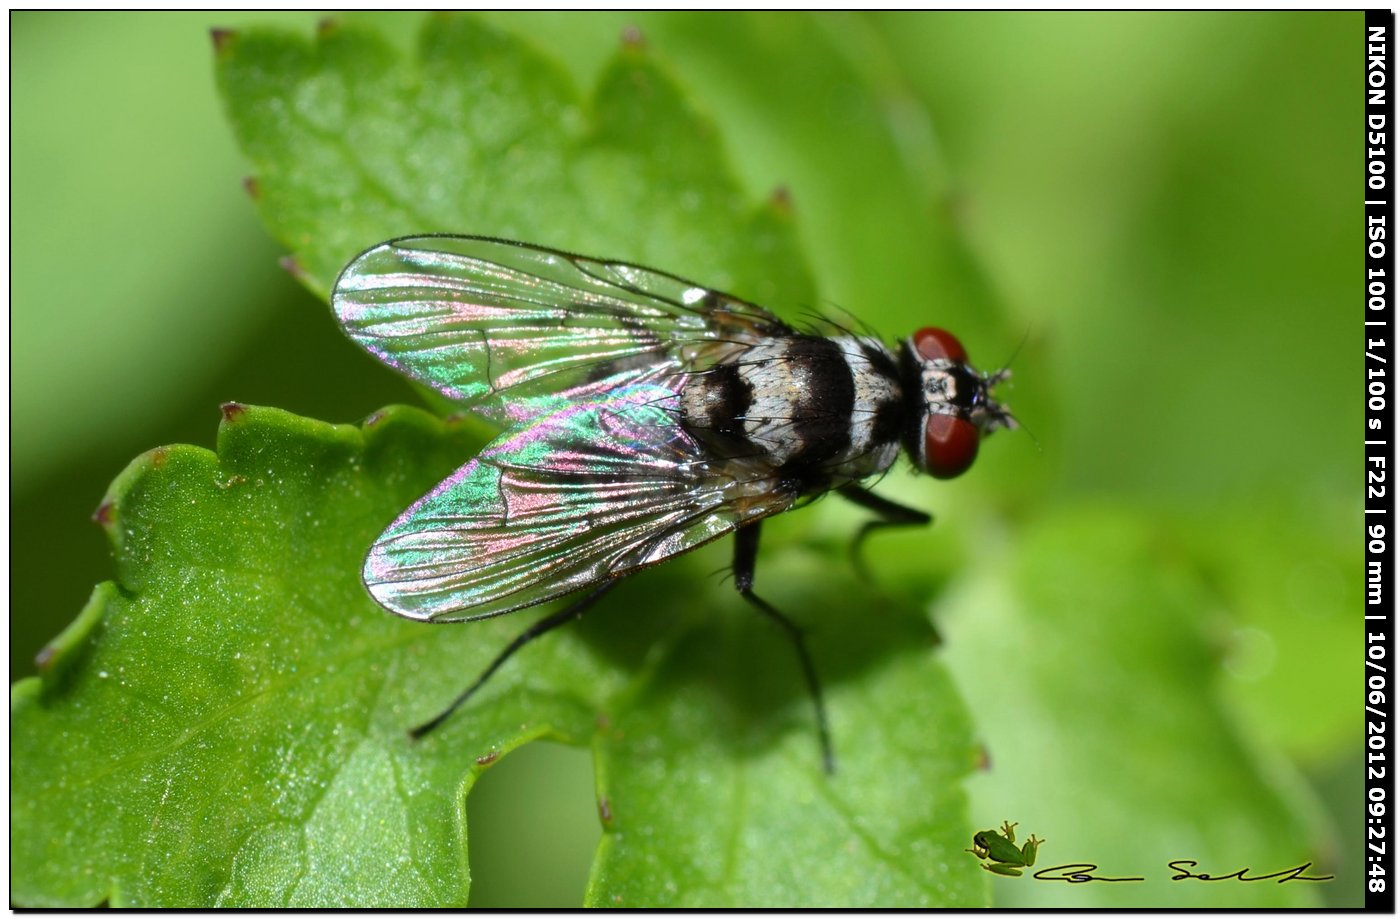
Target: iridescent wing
478, 318
590, 491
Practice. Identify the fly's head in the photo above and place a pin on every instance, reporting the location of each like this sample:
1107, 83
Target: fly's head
952, 404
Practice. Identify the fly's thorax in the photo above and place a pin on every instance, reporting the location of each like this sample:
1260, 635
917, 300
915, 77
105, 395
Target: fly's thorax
950, 405
822, 409
877, 416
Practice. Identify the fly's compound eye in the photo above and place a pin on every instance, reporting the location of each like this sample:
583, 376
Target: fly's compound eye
939, 345
950, 445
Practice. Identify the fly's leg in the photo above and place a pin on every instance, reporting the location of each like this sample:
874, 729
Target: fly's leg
891, 515
745, 554
547, 624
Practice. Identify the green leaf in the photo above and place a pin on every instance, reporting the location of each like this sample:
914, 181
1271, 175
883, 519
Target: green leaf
225, 724
481, 135
708, 778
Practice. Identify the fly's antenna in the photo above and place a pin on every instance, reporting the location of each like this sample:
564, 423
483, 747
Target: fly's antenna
1029, 433
1007, 419
1005, 370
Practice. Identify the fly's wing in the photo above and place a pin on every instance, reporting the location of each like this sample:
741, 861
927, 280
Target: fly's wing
474, 318
592, 490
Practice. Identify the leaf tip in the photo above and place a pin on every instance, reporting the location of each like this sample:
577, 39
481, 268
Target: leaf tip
70, 646
633, 39
233, 411
223, 39
43, 661
106, 513
780, 200
290, 265
956, 205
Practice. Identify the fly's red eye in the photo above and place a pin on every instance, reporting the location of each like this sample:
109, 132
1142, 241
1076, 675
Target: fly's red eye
950, 445
939, 344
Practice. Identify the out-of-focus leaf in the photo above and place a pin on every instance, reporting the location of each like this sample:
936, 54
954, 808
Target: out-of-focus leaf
107, 248
1290, 576
1096, 686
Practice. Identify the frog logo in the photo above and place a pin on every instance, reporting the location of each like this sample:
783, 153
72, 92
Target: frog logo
999, 852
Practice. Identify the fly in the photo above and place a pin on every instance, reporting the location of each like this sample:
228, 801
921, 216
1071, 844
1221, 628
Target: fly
643, 416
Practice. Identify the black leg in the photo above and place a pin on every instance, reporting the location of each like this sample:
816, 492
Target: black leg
547, 624
745, 554
891, 514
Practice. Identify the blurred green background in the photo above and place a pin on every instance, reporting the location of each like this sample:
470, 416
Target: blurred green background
1165, 203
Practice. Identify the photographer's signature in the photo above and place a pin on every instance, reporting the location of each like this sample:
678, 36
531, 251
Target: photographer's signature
1183, 870
999, 854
